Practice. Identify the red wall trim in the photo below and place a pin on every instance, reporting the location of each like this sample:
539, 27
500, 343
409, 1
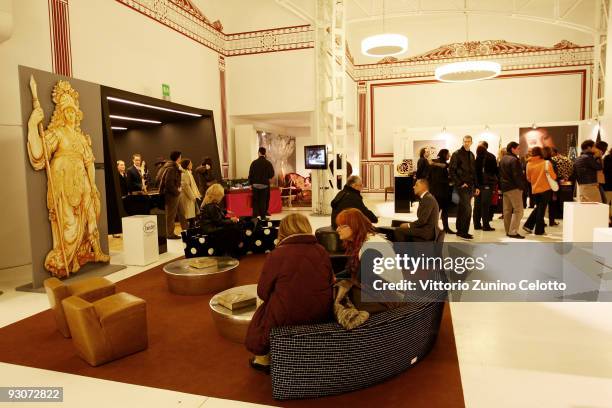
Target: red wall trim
224, 138
59, 33
581, 72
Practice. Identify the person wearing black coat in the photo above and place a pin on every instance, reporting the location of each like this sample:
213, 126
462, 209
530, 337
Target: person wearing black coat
123, 186
423, 167
486, 179
350, 197
204, 176
260, 173
462, 170
170, 187
439, 186
512, 184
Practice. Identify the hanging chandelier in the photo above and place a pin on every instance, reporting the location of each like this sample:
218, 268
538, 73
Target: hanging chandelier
385, 44
467, 71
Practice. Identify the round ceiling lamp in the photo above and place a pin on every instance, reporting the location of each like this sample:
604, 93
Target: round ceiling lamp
468, 71
384, 45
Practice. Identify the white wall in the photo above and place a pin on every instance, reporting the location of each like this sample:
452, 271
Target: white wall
138, 54
28, 45
511, 100
271, 83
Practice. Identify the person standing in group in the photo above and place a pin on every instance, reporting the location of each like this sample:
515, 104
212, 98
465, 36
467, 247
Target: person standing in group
564, 168
170, 187
585, 168
204, 176
439, 186
601, 148
512, 184
260, 173
123, 184
537, 171
607, 167
135, 175
486, 179
423, 167
188, 208
462, 170
554, 207
500, 155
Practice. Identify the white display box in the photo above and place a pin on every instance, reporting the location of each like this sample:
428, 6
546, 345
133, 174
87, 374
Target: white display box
580, 219
140, 246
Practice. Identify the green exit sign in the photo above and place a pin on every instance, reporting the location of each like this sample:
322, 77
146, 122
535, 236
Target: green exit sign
166, 91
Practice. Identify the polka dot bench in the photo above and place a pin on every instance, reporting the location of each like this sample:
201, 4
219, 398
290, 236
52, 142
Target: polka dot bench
324, 359
255, 238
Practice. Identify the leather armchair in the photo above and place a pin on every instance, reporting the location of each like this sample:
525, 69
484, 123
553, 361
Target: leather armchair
90, 290
107, 329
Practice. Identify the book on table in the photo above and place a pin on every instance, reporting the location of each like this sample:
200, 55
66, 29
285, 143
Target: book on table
235, 301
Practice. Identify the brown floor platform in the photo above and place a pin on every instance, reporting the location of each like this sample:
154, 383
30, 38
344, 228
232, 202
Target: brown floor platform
187, 354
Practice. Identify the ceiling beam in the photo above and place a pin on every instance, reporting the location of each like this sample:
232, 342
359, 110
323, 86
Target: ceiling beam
524, 5
519, 16
360, 7
297, 10
571, 9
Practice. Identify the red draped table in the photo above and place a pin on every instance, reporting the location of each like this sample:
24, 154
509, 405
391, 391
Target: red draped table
239, 201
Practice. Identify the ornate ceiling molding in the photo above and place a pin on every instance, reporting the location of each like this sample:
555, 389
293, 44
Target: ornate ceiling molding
511, 56
185, 18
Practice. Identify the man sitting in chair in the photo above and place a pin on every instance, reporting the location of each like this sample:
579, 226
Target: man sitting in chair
425, 228
350, 197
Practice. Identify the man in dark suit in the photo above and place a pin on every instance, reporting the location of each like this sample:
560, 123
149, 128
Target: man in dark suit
134, 175
260, 173
425, 228
350, 197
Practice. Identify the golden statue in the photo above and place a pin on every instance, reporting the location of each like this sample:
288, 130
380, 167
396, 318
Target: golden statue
73, 199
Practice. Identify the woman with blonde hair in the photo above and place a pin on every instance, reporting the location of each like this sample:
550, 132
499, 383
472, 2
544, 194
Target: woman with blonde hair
188, 209
295, 285
214, 219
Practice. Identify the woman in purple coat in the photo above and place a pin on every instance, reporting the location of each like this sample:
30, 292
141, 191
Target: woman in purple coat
295, 285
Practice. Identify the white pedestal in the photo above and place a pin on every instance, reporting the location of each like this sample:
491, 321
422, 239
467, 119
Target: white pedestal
140, 245
580, 219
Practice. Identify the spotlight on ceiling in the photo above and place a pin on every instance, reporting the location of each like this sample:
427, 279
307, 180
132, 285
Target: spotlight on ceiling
118, 128
157, 122
144, 105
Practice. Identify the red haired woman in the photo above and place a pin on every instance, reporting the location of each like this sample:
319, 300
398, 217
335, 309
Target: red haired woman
355, 230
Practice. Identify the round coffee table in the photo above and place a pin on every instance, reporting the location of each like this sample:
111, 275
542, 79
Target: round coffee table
184, 279
230, 324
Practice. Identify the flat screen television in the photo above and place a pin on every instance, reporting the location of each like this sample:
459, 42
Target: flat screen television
315, 157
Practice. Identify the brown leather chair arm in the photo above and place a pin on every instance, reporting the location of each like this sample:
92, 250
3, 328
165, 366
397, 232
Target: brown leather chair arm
56, 292
87, 334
